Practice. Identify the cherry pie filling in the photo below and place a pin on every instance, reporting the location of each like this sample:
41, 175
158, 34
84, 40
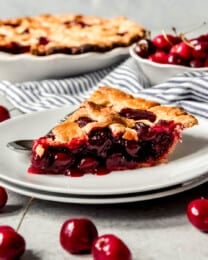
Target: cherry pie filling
104, 151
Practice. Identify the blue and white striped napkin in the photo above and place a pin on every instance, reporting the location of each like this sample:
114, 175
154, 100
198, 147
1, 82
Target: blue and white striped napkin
188, 90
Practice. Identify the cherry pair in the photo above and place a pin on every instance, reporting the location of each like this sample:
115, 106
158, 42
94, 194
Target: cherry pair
80, 235
12, 244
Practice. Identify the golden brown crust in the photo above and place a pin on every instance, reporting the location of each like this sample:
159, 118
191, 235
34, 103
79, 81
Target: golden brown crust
103, 109
119, 99
102, 116
67, 33
68, 131
109, 96
174, 113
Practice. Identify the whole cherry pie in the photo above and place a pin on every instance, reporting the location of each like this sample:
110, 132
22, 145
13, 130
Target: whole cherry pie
67, 33
112, 130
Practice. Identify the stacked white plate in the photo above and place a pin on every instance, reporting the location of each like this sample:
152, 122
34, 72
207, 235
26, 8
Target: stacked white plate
186, 169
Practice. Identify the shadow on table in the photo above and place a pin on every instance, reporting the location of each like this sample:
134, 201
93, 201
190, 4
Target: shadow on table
164, 212
9, 210
30, 255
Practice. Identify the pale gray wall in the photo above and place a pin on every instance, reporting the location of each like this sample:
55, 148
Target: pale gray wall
154, 14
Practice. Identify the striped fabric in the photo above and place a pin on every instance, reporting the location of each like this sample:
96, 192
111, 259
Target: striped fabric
188, 90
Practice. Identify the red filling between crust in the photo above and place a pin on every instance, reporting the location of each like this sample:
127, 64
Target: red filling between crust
103, 152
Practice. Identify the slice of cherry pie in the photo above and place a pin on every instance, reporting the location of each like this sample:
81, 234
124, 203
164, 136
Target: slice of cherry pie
110, 131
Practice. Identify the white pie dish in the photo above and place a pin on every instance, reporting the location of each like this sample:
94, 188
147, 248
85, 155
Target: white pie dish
158, 73
189, 161
26, 67
108, 199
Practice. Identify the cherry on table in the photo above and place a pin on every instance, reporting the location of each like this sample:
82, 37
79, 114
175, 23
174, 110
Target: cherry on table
12, 244
77, 235
197, 213
110, 247
4, 113
3, 197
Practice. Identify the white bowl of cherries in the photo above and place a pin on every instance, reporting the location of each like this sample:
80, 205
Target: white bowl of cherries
167, 55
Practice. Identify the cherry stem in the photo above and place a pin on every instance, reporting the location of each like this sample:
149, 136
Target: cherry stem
186, 41
148, 35
197, 27
26, 209
165, 36
174, 30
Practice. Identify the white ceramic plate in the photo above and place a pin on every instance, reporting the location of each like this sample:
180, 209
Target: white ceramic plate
25, 67
158, 73
190, 160
125, 198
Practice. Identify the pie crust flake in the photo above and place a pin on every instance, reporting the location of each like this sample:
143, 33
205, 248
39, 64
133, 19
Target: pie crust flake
67, 33
112, 130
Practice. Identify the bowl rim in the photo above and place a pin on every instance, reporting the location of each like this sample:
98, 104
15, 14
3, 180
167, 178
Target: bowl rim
160, 65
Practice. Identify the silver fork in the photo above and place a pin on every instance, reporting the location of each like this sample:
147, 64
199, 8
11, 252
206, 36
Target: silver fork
25, 145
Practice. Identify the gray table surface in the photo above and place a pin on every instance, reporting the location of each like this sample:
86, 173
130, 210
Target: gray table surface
153, 230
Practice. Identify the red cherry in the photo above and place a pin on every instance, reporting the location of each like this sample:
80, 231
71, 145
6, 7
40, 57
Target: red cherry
194, 42
43, 40
62, 159
206, 62
144, 48
183, 50
4, 114
203, 37
196, 64
197, 213
12, 244
159, 57
200, 50
3, 197
141, 51
175, 59
77, 235
165, 42
88, 164
110, 247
